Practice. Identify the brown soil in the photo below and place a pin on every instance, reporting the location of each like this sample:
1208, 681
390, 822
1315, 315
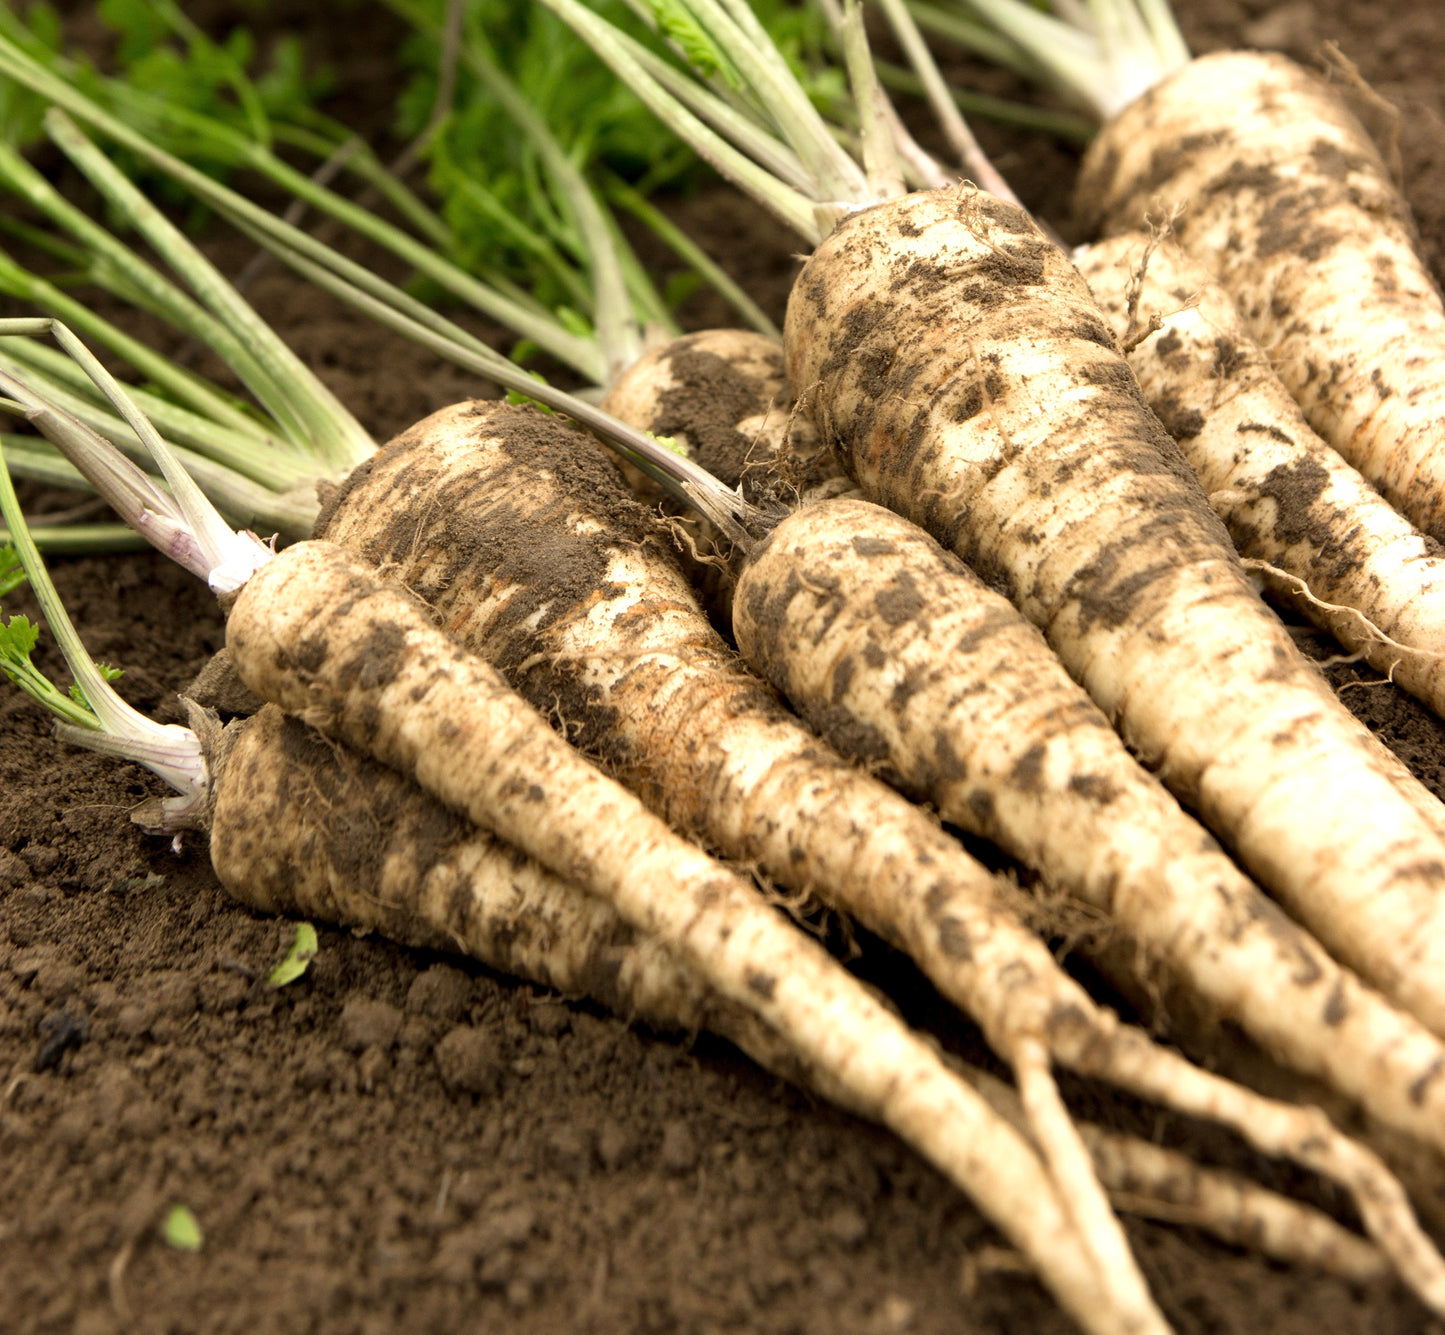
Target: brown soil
616, 1180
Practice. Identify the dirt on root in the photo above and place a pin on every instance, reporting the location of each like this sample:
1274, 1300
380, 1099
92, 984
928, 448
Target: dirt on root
322, 1136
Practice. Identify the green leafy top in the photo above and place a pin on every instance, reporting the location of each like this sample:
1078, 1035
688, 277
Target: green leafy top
497, 198
162, 55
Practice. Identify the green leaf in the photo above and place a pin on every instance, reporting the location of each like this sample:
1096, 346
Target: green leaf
298, 958
18, 638
180, 1229
671, 443
12, 575
107, 672
136, 23
699, 49
519, 400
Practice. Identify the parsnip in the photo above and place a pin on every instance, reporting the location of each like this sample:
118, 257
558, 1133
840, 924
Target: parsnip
570, 596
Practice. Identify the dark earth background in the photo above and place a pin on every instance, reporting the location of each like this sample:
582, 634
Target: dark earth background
617, 1180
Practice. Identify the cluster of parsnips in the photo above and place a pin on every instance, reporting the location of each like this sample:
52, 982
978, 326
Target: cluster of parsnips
957, 368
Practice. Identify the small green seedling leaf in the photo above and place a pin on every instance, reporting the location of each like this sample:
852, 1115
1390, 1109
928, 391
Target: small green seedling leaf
12, 574
180, 1229
298, 958
671, 443
18, 640
106, 671
520, 400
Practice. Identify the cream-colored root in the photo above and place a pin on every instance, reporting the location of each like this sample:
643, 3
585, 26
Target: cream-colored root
419, 875
702, 739
1157, 1183
974, 712
1303, 1134
314, 632
1281, 192
423, 877
1058, 1139
1287, 498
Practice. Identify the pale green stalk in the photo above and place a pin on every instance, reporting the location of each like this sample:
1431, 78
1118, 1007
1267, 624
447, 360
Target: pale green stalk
185, 385
80, 539
732, 24
618, 334
975, 35
294, 246
945, 110
1063, 125
118, 268
1070, 57
774, 96
880, 157
213, 537
218, 141
695, 487
920, 169
245, 456
312, 417
653, 314
743, 131
33, 459
363, 163
1104, 54
109, 724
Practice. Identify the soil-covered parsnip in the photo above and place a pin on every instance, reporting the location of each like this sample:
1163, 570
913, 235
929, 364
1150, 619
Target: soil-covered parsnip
1346, 558
1270, 181
313, 631
521, 537
958, 365
965, 375
306, 827
722, 394
1281, 192
570, 595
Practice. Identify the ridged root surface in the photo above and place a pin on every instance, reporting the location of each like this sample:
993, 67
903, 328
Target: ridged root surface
627, 660
1286, 497
1273, 184
970, 708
